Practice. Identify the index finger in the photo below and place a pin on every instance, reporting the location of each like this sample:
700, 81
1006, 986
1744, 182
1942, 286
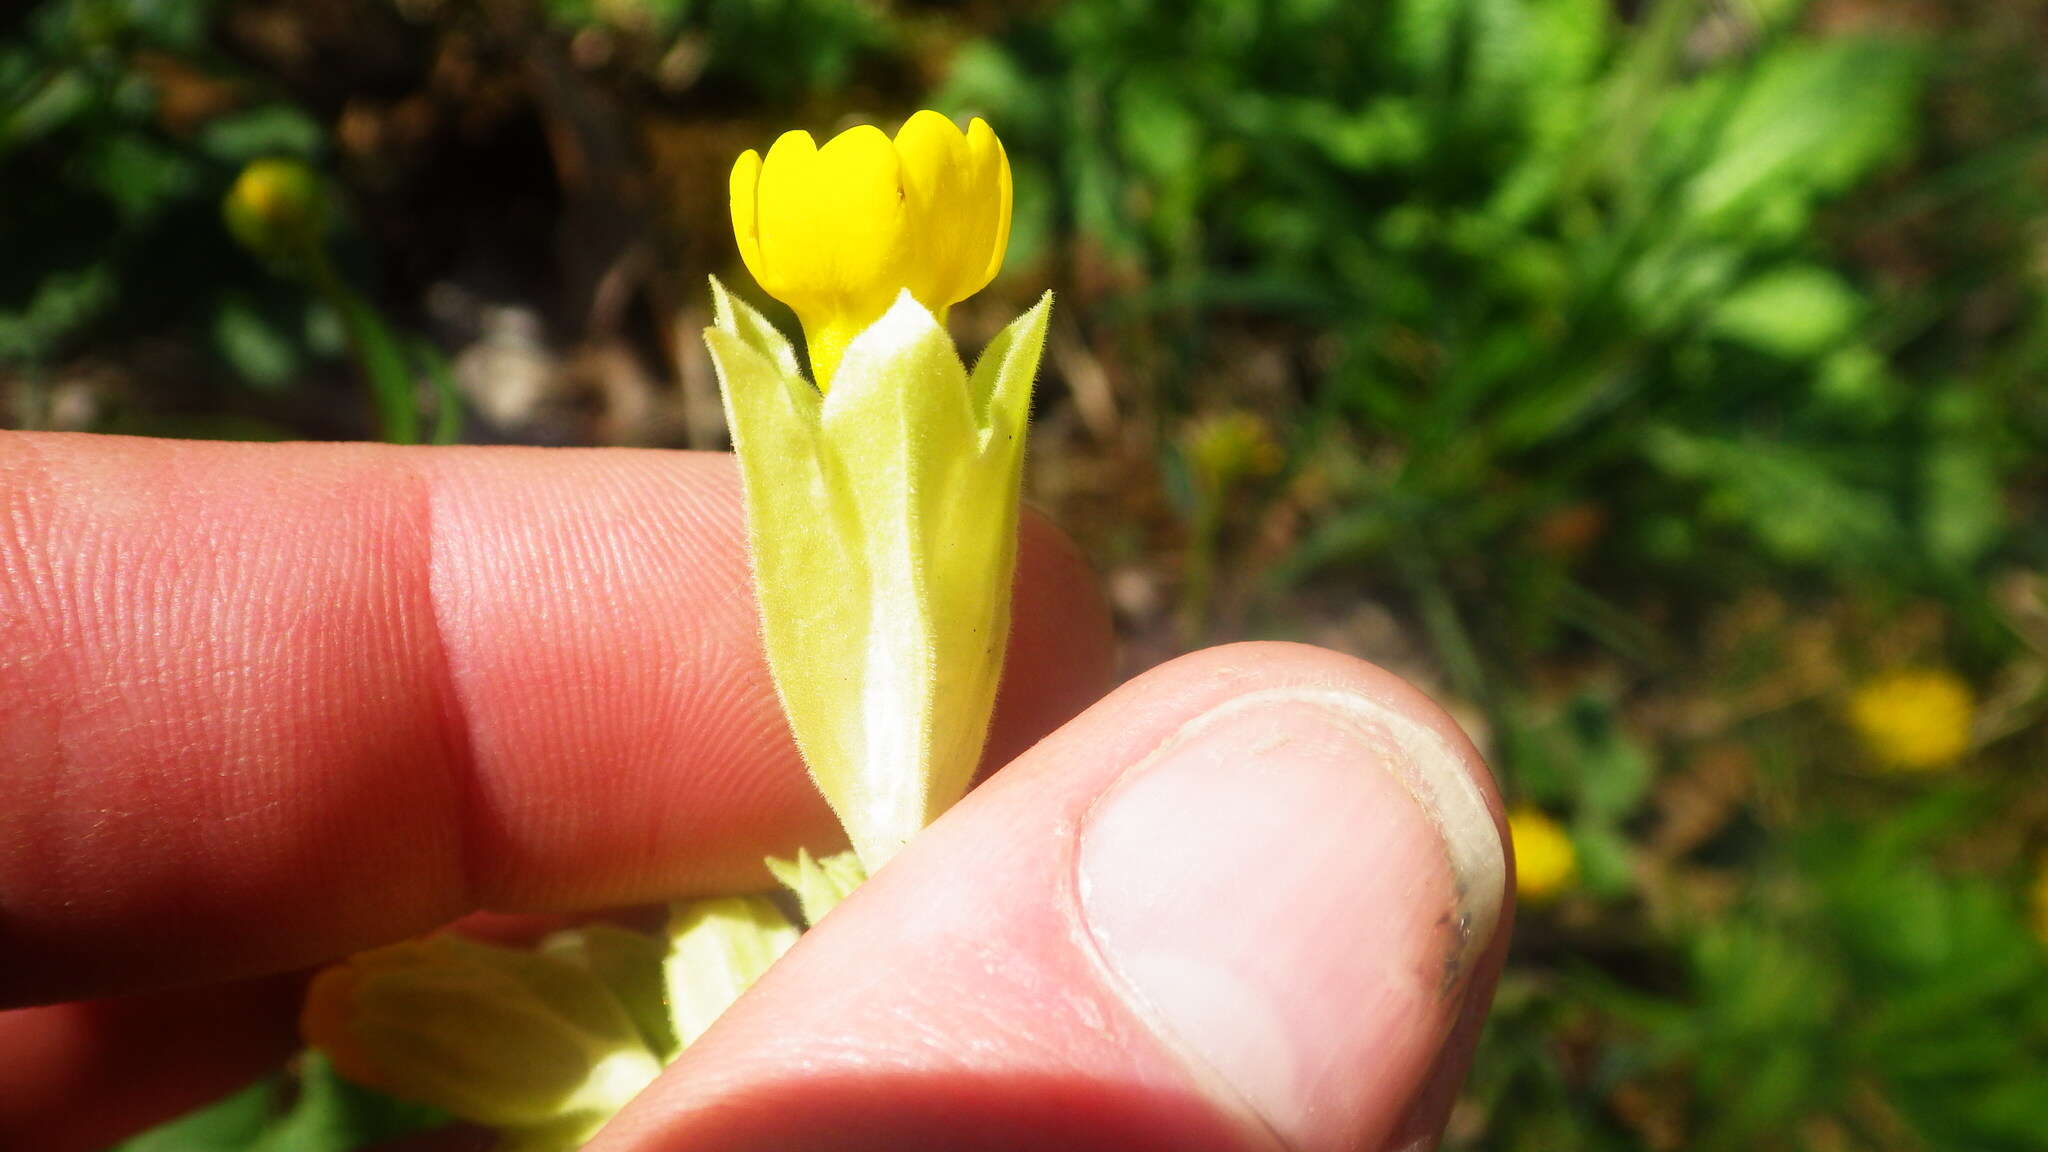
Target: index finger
261, 705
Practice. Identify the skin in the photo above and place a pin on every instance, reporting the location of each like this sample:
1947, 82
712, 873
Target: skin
261, 706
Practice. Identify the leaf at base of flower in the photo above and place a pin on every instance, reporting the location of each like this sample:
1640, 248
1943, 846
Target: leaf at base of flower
716, 950
883, 528
532, 1044
629, 964
819, 883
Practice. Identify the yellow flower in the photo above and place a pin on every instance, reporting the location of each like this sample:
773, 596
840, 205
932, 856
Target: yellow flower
1226, 447
838, 232
1545, 862
1914, 719
277, 210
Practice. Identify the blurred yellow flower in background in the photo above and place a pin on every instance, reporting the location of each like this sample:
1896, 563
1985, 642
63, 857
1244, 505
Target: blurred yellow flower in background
1546, 863
1226, 447
278, 210
1913, 719
838, 232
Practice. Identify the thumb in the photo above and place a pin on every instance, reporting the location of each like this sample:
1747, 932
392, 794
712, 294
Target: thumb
1242, 903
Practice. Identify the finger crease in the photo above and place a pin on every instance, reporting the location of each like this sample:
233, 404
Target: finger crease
453, 715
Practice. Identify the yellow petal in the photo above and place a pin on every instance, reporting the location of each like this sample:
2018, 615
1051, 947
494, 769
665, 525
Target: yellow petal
831, 223
937, 191
861, 196
988, 158
838, 231
956, 188
1914, 719
781, 201
1546, 860
746, 225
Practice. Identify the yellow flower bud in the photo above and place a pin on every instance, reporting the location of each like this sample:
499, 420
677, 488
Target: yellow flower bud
1914, 719
277, 210
838, 232
1546, 863
533, 1044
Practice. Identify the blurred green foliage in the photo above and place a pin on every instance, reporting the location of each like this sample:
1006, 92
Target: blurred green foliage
1858, 999
1664, 368
1593, 342
111, 220
773, 50
1554, 255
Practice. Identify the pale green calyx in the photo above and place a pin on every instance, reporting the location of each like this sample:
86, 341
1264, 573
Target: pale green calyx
819, 883
716, 950
533, 1044
883, 526
629, 965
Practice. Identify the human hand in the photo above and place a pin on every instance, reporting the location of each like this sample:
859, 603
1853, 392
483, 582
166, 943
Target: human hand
261, 706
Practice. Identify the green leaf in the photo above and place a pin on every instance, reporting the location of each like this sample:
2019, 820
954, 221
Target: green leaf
1788, 496
1814, 118
234, 1124
260, 353
314, 1111
64, 301
61, 98
332, 1115
1605, 858
138, 175
1962, 513
1796, 312
270, 130
1614, 771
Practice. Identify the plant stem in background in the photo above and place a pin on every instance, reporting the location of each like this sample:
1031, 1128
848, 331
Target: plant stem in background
377, 355
279, 210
